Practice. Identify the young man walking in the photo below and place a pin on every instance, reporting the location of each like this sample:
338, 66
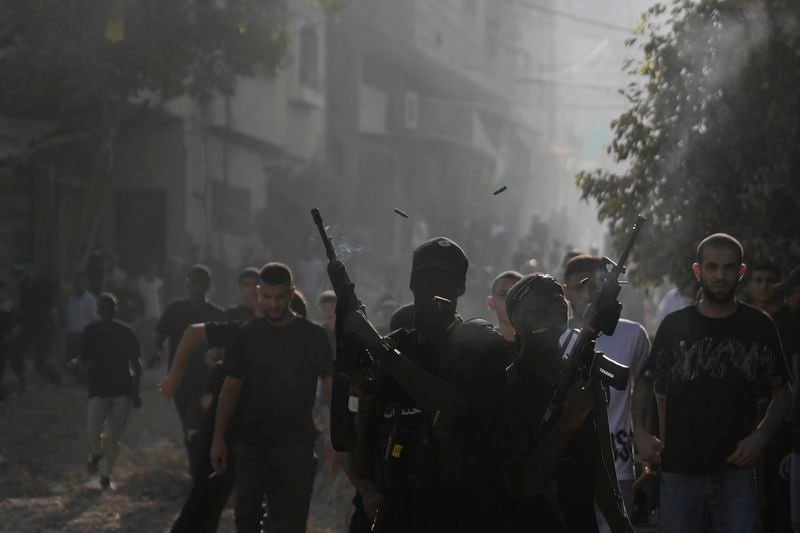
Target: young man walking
710, 362
111, 352
272, 372
178, 315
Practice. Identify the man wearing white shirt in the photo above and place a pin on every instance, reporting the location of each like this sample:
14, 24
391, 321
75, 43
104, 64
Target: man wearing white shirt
81, 310
630, 346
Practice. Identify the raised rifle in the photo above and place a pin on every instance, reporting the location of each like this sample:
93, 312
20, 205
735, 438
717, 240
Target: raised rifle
349, 356
601, 316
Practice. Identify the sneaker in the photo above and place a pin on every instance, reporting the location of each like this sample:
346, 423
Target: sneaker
105, 482
92, 462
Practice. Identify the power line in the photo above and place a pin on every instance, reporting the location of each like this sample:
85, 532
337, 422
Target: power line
529, 4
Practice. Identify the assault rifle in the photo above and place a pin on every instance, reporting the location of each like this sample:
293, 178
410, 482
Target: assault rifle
601, 316
349, 356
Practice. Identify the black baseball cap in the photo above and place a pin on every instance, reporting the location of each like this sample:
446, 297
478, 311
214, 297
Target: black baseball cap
441, 253
792, 281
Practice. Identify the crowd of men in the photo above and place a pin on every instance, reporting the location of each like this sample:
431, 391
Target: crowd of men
446, 416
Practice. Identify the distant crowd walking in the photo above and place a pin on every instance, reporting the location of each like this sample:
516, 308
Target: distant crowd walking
440, 423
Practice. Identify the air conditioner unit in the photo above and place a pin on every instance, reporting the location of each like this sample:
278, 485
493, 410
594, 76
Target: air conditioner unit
411, 110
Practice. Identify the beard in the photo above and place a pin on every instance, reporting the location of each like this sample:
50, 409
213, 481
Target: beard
279, 318
717, 297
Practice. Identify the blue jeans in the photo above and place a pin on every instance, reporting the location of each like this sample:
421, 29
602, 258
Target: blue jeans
725, 501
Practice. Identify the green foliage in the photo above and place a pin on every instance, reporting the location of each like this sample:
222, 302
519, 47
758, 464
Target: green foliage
71, 59
711, 140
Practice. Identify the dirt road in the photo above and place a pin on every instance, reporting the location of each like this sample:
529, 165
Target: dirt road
44, 486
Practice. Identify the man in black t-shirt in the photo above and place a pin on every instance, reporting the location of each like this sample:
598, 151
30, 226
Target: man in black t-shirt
112, 353
789, 291
209, 494
272, 372
776, 515
709, 362
177, 316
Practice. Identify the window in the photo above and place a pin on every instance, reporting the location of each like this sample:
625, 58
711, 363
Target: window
309, 57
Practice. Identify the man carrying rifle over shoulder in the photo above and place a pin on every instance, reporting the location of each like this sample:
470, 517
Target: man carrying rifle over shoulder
425, 430
560, 470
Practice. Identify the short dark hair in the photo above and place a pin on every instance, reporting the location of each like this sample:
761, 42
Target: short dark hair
202, 270
582, 263
720, 240
247, 273
299, 304
508, 274
326, 297
107, 297
275, 274
766, 266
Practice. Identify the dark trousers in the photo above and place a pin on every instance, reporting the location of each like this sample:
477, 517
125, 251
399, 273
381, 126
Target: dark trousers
39, 340
359, 521
206, 501
285, 477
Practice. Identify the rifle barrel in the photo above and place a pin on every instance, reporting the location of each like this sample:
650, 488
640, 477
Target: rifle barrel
326, 241
623, 259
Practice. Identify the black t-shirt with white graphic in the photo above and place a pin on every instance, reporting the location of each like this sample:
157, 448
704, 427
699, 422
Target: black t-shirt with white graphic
279, 367
711, 371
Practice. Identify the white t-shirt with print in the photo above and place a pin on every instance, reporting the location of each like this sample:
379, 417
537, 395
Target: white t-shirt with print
630, 346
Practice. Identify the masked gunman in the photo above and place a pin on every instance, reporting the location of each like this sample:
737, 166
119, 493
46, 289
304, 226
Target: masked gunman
559, 471
425, 429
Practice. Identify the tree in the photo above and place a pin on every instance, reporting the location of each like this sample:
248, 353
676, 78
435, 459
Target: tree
99, 67
710, 142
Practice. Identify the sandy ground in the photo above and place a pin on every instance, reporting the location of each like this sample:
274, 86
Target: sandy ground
44, 486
